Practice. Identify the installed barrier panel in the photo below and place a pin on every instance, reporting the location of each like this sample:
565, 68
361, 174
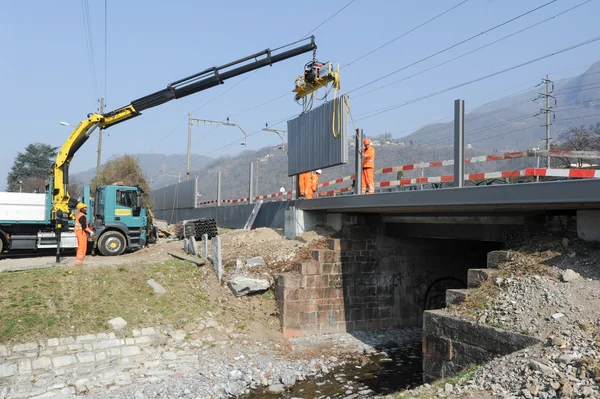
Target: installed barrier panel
176, 196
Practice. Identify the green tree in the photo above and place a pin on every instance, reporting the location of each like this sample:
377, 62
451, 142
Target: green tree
32, 166
124, 169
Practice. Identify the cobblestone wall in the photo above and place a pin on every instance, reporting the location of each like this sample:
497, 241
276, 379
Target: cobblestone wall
64, 367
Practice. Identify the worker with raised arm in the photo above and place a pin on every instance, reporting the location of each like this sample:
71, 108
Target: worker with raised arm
314, 182
82, 231
368, 168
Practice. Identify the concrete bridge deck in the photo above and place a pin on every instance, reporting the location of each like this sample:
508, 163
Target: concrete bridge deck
544, 196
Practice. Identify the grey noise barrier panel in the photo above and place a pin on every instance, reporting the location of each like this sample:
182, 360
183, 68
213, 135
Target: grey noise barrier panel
271, 214
318, 139
175, 196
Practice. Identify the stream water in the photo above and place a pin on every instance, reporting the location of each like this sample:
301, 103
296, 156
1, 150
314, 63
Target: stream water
393, 368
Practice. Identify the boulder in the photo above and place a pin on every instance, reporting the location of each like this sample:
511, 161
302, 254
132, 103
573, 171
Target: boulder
241, 286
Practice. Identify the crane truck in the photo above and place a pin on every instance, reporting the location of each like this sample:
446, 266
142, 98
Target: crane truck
39, 221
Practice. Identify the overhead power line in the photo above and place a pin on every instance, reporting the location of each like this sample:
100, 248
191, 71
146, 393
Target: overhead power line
378, 112
452, 46
248, 76
471, 51
89, 43
405, 33
360, 58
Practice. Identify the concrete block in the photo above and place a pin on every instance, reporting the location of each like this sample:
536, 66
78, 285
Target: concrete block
143, 340
54, 342
41, 363
496, 258
454, 296
82, 339
31, 346
61, 361
67, 340
588, 225
476, 277
86, 357
130, 350
110, 343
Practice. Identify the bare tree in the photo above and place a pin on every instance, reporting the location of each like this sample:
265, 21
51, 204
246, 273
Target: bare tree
579, 138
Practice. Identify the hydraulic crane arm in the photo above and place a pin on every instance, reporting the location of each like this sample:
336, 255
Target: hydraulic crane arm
184, 87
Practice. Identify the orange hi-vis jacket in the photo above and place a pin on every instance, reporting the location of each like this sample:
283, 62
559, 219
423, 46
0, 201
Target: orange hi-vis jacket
369, 158
82, 237
314, 181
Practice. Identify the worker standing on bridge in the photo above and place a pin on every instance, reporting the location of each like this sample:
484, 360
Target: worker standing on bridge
314, 182
82, 231
368, 168
304, 184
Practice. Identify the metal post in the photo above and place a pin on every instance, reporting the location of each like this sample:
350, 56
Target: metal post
189, 146
358, 160
99, 161
251, 185
459, 143
219, 188
537, 165
548, 120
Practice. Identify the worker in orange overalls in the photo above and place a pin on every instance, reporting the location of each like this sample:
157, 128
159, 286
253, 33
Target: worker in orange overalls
82, 231
368, 176
304, 184
314, 183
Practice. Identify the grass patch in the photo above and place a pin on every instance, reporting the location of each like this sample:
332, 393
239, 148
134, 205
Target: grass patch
57, 302
478, 298
464, 375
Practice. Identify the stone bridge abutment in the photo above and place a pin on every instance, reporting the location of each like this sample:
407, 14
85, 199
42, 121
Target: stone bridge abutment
373, 277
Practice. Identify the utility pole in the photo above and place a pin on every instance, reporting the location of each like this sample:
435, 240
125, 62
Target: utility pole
100, 139
547, 95
189, 146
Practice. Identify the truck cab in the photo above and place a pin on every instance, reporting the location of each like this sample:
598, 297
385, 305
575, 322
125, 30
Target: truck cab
119, 219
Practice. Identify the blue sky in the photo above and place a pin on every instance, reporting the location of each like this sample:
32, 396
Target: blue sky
46, 74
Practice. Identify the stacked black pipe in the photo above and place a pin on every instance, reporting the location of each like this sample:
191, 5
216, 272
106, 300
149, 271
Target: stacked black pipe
198, 227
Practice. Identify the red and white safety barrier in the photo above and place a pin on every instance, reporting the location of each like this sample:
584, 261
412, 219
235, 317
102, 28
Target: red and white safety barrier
274, 195
529, 172
481, 158
340, 180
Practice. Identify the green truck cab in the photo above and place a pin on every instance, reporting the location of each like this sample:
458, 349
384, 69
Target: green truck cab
119, 219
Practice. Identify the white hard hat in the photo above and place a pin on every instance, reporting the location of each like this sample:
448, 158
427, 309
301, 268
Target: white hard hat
282, 190
318, 171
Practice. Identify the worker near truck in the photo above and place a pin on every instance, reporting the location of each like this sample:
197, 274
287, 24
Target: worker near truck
368, 168
82, 231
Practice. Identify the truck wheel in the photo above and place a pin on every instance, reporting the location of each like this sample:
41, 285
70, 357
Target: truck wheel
111, 243
1, 245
